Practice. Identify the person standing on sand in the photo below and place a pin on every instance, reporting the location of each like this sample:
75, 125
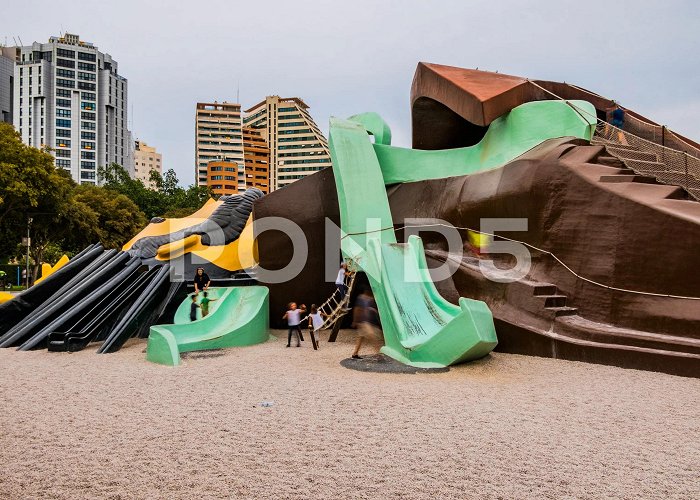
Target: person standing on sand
293, 317
201, 281
366, 319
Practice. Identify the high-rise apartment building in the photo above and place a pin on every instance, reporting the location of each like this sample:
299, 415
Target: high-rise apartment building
219, 137
257, 160
297, 147
222, 175
8, 55
70, 96
146, 159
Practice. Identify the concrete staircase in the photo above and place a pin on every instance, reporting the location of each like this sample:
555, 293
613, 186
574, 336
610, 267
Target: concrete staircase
643, 167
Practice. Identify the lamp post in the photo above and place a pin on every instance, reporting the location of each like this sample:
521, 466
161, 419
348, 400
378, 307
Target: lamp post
29, 244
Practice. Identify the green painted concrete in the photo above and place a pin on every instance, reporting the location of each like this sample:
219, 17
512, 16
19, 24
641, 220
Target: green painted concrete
239, 317
508, 137
420, 327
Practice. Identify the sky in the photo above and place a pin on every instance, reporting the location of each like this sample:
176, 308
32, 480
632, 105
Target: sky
345, 58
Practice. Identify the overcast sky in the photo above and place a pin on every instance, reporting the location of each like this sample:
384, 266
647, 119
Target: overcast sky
346, 57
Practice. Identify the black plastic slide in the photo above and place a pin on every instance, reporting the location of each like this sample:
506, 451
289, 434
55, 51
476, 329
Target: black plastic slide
100, 319
76, 309
145, 311
70, 296
10, 337
26, 303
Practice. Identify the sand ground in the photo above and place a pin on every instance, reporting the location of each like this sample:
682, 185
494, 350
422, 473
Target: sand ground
115, 426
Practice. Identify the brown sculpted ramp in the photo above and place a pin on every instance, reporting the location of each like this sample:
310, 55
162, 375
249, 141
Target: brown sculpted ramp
614, 275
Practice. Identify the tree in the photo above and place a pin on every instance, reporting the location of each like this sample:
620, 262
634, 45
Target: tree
27, 179
118, 218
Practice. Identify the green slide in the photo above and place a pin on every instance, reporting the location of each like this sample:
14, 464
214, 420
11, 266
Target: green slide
238, 317
508, 137
420, 327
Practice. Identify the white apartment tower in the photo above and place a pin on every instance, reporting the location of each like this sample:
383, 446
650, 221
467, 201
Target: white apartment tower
219, 137
69, 96
7, 76
297, 147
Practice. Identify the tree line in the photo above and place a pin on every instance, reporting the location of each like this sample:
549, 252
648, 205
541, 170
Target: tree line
67, 217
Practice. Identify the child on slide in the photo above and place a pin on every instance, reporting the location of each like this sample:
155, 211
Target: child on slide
204, 303
193, 308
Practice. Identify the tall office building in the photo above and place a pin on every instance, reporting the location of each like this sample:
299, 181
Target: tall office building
68, 95
8, 55
146, 159
297, 147
219, 137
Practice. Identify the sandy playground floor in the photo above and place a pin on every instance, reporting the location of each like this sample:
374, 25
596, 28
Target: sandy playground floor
115, 426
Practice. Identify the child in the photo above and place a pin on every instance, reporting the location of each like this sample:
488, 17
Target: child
204, 303
193, 308
293, 317
315, 323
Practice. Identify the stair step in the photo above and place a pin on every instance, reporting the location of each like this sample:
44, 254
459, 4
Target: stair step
646, 166
545, 289
631, 154
563, 311
610, 161
554, 301
642, 179
617, 145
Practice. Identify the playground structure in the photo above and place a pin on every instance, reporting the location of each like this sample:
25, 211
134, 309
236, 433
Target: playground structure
604, 285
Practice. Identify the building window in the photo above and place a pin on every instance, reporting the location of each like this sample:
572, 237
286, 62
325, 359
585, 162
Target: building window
87, 175
87, 126
87, 145
62, 102
90, 106
65, 63
63, 123
63, 153
90, 165
62, 143
63, 163
86, 86
87, 116
65, 53
86, 56
63, 93
66, 73
88, 135
61, 132
87, 96
86, 66
86, 76
63, 112
87, 155
60, 82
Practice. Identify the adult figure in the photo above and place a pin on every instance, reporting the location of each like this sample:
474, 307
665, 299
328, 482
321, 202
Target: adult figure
366, 318
201, 280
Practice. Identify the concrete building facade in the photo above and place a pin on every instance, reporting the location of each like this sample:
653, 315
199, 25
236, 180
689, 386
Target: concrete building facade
70, 96
218, 137
257, 160
146, 159
8, 56
222, 177
297, 147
